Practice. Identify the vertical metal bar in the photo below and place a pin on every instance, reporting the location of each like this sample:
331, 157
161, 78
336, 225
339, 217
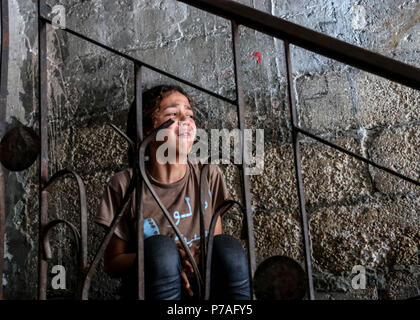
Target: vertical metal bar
3, 105
43, 164
4, 64
83, 263
204, 254
2, 226
245, 178
139, 203
296, 151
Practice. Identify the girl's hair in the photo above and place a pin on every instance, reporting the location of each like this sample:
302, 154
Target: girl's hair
151, 99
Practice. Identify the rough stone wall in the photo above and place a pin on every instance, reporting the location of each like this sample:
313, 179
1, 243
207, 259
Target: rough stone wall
358, 215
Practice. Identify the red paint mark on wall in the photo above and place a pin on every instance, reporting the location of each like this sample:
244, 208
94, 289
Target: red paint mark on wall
258, 55
224, 74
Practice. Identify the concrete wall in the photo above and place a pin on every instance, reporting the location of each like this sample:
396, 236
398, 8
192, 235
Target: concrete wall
357, 214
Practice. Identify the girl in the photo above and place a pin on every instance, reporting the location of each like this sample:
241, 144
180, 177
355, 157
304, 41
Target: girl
168, 273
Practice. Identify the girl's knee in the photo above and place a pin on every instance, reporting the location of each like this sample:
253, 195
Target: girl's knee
227, 244
160, 241
161, 252
230, 254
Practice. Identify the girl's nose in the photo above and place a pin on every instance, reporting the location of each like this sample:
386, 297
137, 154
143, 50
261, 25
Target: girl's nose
182, 117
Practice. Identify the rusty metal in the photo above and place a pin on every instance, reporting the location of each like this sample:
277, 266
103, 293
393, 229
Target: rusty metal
141, 162
245, 178
80, 238
4, 65
144, 64
298, 171
221, 210
124, 206
354, 155
205, 256
330, 47
119, 131
43, 163
203, 246
139, 203
83, 207
280, 278
46, 236
238, 14
19, 148
123, 209
2, 226
47, 253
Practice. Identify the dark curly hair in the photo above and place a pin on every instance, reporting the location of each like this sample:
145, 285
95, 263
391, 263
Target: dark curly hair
151, 99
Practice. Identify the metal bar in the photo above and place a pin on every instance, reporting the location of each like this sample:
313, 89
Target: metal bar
311, 40
139, 203
46, 237
3, 105
297, 159
124, 206
148, 66
123, 209
47, 253
332, 145
4, 64
82, 251
220, 211
43, 164
239, 14
2, 226
245, 178
203, 247
146, 180
83, 263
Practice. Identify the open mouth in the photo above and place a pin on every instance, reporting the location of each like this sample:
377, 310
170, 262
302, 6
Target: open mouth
185, 134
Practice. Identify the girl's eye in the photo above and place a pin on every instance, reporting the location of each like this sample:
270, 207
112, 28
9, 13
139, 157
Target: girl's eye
172, 114
190, 116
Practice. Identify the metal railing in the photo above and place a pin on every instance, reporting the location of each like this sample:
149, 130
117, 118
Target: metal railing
4, 63
238, 14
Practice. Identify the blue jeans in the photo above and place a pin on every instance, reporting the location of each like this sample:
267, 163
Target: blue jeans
229, 274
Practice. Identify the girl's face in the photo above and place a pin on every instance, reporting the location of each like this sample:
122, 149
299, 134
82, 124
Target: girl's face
180, 134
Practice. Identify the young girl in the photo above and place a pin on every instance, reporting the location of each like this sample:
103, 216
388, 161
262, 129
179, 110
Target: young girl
168, 272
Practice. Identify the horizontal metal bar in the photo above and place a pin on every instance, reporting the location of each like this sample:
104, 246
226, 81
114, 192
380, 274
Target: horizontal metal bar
332, 145
311, 40
143, 64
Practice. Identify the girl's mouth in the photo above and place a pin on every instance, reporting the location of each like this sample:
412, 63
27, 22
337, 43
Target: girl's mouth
185, 134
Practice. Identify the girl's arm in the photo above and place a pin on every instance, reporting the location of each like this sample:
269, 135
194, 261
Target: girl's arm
116, 260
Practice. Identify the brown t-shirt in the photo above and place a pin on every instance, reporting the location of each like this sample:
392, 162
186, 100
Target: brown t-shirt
181, 199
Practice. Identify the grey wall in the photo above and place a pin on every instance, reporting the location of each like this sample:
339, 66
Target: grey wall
357, 214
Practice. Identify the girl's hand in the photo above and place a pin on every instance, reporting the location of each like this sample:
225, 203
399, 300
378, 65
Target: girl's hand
187, 271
